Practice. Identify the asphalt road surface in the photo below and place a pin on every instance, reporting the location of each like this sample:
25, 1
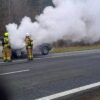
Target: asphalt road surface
51, 74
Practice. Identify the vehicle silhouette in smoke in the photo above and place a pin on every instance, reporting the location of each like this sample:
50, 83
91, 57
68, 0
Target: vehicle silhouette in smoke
42, 49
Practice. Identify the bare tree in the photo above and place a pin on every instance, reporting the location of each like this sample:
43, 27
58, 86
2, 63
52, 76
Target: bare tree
15, 10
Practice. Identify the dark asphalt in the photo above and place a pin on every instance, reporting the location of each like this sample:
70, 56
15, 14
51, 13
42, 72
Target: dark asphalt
50, 75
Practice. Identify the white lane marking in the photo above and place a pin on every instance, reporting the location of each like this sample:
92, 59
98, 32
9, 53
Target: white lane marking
14, 72
1, 62
72, 91
14, 61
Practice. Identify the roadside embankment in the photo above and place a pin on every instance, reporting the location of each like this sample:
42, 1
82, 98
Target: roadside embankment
87, 92
74, 48
93, 94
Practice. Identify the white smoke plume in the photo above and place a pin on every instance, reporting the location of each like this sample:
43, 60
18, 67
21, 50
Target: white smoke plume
75, 20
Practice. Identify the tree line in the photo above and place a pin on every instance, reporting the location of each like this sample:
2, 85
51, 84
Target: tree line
14, 10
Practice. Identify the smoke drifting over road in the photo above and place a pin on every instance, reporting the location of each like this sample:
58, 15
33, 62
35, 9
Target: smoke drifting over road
75, 20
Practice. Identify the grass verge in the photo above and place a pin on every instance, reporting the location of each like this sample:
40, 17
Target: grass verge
74, 48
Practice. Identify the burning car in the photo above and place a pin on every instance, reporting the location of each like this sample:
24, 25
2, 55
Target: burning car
42, 49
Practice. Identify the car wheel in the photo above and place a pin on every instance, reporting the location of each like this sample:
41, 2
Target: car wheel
44, 51
14, 55
18, 53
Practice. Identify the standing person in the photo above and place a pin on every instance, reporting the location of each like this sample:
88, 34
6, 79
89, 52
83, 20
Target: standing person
29, 46
6, 47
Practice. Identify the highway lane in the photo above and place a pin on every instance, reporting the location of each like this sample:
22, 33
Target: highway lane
53, 74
